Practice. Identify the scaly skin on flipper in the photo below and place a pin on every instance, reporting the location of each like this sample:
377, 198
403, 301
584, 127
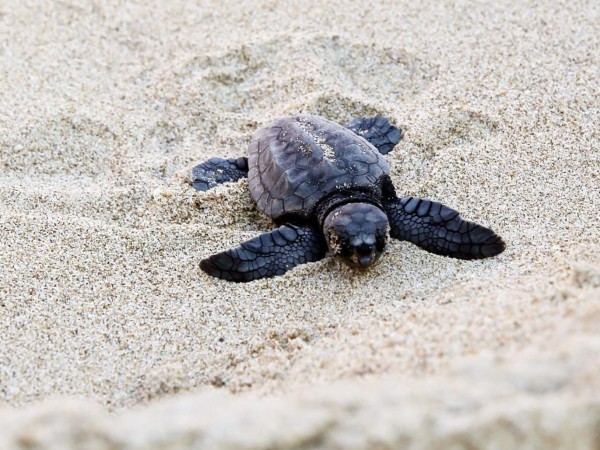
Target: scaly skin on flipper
267, 255
439, 229
218, 170
378, 131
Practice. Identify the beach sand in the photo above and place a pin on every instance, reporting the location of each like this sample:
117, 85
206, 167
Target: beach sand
106, 319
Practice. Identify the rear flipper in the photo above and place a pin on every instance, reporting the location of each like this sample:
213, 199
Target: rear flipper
378, 131
218, 170
439, 229
267, 255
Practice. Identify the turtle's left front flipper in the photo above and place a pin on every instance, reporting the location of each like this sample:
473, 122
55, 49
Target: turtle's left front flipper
439, 229
267, 255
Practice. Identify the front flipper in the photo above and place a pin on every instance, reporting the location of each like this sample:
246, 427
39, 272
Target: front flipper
439, 229
218, 170
267, 255
378, 131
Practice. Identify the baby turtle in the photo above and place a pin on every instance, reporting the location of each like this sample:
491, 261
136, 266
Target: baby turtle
328, 188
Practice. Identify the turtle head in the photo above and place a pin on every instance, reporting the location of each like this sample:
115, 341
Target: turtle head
357, 232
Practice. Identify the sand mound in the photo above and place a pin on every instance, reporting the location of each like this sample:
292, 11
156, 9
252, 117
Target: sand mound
543, 398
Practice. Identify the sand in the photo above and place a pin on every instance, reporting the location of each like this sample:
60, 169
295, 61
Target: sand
106, 319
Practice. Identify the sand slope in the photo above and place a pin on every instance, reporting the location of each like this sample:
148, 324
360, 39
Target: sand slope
104, 107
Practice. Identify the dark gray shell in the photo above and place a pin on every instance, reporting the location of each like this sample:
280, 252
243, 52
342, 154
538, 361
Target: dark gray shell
295, 161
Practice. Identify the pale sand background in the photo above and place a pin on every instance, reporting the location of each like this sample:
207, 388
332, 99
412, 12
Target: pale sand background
104, 107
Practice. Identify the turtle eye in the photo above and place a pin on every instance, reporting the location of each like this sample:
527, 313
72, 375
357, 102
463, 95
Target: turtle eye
380, 244
345, 249
338, 244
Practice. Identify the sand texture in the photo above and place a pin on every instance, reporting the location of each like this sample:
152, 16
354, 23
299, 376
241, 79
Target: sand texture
107, 325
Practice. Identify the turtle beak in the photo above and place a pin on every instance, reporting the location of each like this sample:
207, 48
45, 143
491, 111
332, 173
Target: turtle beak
365, 255
365, 260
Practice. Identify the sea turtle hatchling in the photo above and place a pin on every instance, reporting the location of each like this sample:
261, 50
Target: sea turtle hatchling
328, 188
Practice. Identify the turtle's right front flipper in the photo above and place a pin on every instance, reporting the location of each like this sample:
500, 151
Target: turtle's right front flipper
267, 255
438, 229
218, 170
